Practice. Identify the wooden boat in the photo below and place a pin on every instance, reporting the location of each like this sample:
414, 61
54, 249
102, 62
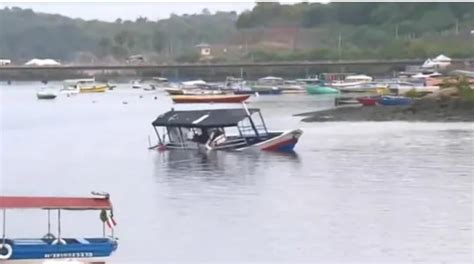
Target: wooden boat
368, 100
315, 89
100, 88
229, 98
216, 130
46, 93
56, 246
394, 100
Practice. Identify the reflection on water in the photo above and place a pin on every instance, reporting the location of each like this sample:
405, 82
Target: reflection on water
353, 192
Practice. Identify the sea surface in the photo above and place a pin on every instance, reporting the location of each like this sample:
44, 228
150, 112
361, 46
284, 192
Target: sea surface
389, 192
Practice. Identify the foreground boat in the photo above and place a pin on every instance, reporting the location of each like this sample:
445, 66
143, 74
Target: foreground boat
229, 98
212, 130
56, 246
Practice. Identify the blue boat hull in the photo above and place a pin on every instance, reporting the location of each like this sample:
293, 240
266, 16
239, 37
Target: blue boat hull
33, 249
386, 100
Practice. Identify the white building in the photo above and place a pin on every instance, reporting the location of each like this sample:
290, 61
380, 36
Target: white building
204, 49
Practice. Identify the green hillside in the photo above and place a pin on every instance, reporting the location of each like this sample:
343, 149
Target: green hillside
268, 32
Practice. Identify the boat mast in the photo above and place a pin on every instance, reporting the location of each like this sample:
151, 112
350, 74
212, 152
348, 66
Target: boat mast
49, 221
59, 226
4, 226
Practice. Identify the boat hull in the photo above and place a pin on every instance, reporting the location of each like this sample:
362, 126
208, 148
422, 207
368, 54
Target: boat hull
174, 91
46, 96
94, 89
321, 90
209, 98
41, 249
393, 101
367, 101
285, 142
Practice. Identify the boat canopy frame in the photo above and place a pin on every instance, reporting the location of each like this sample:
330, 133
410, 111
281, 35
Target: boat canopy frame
209, 119
100, 202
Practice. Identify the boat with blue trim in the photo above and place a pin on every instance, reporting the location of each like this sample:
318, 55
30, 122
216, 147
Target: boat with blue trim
55, 246
394, 100
221, 129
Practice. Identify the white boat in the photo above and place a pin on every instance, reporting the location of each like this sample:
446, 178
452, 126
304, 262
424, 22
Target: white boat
426, 74
136, 85
158, 82
353, 80
311, 80
46, 93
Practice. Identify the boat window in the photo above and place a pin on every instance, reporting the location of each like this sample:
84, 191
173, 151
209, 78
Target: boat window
173, 134
246, 128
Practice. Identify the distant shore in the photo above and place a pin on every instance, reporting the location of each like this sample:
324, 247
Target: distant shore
421, 110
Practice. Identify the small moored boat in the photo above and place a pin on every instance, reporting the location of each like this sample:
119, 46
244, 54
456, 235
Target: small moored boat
394, 100
368, 100
228, 98
46, 93
316, 89
55, 246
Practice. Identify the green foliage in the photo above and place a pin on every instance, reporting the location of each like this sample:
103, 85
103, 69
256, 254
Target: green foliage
413, 94
191, 57
25, 34
465, 90
368, 31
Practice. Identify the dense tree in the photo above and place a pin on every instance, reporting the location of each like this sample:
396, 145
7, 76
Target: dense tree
368, 30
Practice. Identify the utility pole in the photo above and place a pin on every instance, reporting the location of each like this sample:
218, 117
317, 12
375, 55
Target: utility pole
457, 27
339, 45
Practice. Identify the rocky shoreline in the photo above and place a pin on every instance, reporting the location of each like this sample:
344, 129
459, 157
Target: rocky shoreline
426, 110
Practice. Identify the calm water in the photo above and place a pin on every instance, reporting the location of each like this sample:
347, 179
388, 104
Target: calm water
353, 192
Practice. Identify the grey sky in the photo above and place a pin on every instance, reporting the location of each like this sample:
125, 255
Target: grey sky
112, 11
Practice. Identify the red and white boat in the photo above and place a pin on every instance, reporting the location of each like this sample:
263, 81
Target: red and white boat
227, 98
221, 129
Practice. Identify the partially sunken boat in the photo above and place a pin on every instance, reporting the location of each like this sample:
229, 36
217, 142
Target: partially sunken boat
221, 129
55, 246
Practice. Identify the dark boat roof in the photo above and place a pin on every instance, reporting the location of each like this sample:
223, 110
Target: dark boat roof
203, 118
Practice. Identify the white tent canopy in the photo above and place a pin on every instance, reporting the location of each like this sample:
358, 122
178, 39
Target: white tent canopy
360, 77
42, 62
442, 58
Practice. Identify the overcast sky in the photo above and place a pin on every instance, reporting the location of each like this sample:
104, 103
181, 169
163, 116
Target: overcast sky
130, 11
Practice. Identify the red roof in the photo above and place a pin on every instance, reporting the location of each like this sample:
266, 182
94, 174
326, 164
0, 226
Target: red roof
72, 203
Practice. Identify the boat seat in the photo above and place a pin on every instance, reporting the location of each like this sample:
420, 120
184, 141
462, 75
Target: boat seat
83, 241
29, 242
